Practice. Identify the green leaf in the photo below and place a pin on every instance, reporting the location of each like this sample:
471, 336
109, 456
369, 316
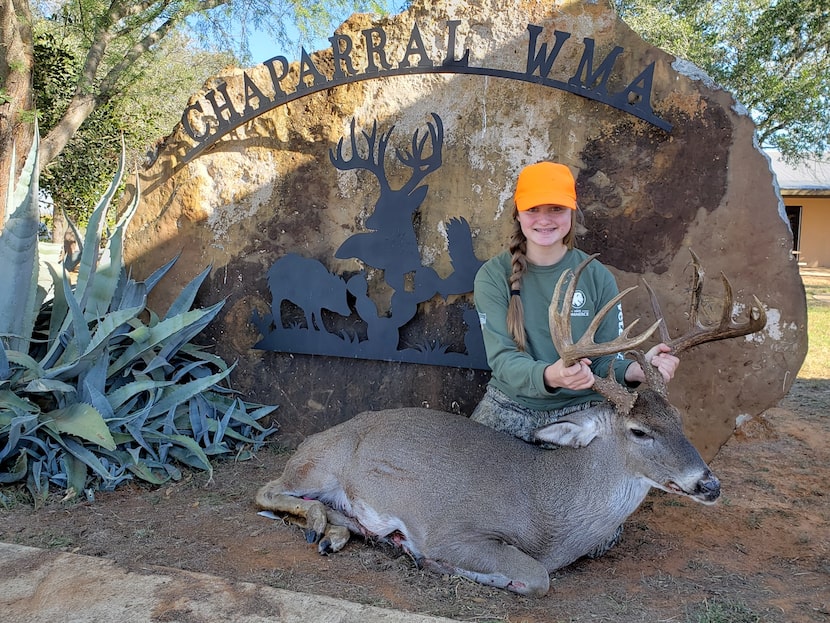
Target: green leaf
48, 385
110, 265
143, 471
76, 473
18, 470
11, 401
18, 255
81, 420
125, 393
178, 394
95, 227
147, 338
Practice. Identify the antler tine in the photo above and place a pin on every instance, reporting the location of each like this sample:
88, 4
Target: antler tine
355, 160
726, 327
421, 166
559, 320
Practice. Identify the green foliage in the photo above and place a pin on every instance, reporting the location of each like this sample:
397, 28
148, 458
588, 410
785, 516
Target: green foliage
148, 107
817, 363
722, 611
773, 56
99, 389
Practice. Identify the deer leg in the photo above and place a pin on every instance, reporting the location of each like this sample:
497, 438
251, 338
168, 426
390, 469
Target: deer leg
337, 532
492, 563
328, 526
313, 511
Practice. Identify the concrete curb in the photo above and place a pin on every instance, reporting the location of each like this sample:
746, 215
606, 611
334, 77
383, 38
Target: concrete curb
44, 586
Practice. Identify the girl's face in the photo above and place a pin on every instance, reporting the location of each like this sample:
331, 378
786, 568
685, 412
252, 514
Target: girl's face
545, 226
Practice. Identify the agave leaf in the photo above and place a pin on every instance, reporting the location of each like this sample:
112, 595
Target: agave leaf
98, 400
93, 382
197, 351
18, 255
143, 471
37, 386
153, 279
123, 394
81, 420
76, 473
172, 345
32, 367
185, 450
81, 335
83, 454
37, 483
71, 261
15, 430
12, 402
184, 301
133, 294
5, 369
147, 338
100, 293
95, 346
178, 394
95, 227
18, 470
60, 284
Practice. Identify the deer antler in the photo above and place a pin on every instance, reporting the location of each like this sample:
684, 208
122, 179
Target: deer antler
700, 333
421, 167
369, 163
559, 318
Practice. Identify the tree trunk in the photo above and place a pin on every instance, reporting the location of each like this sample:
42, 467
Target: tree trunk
16, 94
76, 113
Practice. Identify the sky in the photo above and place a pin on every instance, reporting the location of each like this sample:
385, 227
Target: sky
263, 46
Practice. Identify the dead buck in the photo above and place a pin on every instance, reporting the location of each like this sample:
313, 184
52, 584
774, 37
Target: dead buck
465, 499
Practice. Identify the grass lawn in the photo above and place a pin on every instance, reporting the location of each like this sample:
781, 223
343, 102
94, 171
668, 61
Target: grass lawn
817, 363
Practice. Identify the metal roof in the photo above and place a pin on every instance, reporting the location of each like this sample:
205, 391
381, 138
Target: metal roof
807, 177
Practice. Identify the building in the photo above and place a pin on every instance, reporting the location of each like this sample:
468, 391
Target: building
805, 189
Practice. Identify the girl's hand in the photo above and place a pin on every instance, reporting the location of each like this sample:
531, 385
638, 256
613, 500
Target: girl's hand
661, 358
578, 376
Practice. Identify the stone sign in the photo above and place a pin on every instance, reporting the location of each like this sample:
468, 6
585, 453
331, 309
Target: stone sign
344, 202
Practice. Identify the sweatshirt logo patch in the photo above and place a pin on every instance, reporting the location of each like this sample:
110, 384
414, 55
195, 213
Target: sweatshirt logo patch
578, 303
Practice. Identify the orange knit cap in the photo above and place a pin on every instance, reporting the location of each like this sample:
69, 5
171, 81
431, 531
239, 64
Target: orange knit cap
545, 183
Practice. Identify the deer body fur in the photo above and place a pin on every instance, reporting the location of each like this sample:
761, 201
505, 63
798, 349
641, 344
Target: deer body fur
463, 498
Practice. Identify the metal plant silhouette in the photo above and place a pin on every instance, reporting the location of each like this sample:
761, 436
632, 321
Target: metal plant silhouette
390, 244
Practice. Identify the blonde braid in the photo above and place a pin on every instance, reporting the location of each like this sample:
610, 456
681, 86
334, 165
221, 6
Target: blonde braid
515, 311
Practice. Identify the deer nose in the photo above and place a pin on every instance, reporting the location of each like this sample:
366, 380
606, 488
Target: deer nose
709, 486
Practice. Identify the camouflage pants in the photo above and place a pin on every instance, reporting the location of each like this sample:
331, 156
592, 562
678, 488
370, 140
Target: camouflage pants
498, 411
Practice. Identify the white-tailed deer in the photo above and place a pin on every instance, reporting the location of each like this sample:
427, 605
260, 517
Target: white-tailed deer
465, 499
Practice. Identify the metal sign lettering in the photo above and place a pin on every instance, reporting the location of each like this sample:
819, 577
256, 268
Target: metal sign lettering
214, 115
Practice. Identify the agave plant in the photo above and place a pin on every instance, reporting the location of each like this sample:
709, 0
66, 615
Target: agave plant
95, 388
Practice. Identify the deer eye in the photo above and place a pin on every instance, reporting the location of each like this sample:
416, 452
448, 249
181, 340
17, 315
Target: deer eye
639, 433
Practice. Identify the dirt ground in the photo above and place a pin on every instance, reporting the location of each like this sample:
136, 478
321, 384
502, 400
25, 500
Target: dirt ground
761, 554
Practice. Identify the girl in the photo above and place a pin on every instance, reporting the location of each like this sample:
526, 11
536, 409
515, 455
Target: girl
530, 386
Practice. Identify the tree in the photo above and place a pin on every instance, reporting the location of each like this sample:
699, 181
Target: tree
773, 56
146, 110
116, 38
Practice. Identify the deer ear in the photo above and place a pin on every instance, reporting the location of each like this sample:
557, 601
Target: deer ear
576, 433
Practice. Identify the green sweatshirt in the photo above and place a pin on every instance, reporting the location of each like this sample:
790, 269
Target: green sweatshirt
519, 374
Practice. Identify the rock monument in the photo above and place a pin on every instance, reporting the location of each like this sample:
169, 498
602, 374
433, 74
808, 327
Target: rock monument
345, 200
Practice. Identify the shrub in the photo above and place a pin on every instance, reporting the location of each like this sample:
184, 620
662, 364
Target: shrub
95, 388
